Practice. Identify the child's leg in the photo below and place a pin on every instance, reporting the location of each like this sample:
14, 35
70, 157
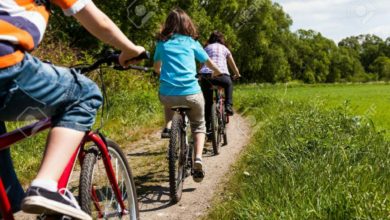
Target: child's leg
39, 90
168, 116
61, 143
167, 102
199, 144
208, 96
197, 120
226, 82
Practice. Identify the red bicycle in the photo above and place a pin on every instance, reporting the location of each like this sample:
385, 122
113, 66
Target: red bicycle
106, 188
218, 118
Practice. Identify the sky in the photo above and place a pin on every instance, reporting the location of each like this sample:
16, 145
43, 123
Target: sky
338, 19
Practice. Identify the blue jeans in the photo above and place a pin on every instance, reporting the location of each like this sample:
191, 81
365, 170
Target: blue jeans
36, 90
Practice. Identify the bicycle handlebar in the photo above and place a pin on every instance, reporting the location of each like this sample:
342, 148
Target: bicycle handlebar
112, 58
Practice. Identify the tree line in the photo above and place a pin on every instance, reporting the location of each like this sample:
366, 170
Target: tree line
258, 33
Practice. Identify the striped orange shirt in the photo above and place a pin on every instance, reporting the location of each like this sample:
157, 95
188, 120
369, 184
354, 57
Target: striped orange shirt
23, 24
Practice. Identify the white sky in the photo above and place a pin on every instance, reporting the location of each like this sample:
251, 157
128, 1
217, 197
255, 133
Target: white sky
337, 19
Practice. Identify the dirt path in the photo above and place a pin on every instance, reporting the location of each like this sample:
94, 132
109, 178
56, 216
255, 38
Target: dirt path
154, 198
150, 169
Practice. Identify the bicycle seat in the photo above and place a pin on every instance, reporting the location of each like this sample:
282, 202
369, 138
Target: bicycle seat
180, 108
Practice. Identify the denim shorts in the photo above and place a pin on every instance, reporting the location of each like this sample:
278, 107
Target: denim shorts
35, 90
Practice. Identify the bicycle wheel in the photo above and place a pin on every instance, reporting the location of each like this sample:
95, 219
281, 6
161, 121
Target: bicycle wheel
97, 197
223, 130
215, 139
177, 158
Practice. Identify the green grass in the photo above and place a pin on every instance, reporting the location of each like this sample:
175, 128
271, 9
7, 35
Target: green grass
370, 100
311, 157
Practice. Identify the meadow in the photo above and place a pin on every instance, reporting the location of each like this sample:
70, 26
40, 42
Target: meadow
316, 153
368, 100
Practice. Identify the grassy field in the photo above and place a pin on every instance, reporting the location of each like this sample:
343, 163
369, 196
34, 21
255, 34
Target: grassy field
369, 100
312, 156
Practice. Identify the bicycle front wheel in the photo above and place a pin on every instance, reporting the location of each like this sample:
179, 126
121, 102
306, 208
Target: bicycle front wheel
97, 196
222, 127
216, 140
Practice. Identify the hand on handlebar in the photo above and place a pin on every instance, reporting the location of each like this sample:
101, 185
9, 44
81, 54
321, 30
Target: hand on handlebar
127, 58
237, 76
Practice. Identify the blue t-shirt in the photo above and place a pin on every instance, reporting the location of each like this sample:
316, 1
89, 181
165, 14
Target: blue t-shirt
178, 70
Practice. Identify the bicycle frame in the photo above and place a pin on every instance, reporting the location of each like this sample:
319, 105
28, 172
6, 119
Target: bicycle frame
8, 139
220, 100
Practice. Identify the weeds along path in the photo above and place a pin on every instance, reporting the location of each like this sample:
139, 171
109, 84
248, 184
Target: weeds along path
149, 165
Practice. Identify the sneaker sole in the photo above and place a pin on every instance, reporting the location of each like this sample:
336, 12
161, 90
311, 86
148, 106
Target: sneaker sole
40, 205
198, 167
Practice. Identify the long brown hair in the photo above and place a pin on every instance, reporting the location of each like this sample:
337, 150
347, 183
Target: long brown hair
178, 22
216, 37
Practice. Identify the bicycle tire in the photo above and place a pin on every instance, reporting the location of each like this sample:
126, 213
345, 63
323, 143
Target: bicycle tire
215, 139
176, 159
223, 131
91, 168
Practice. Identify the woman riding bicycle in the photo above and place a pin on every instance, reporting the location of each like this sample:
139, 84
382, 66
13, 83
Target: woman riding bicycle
31, 88
175, 55
218, 52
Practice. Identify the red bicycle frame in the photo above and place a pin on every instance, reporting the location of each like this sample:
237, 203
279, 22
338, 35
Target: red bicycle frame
11, 138
219, 97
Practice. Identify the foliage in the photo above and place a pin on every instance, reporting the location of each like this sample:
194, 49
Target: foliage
258, 33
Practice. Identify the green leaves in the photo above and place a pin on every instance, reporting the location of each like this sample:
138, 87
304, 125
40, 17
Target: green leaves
258, 33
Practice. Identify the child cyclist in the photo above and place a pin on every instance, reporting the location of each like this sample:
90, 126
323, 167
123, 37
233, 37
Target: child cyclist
175, 55
217, 50
70, 99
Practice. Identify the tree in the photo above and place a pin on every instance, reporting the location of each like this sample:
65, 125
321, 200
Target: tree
381, 66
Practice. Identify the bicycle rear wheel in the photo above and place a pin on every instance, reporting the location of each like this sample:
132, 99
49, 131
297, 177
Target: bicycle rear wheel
97, 197
177, 158
216, 140
222, 127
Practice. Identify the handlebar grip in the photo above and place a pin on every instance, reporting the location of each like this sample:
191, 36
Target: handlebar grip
143, 56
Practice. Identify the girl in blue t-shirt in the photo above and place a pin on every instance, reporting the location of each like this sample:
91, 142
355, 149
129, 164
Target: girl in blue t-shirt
176, 52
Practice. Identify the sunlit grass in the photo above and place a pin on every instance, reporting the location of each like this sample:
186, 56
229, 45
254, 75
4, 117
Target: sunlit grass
369, 100
311, 157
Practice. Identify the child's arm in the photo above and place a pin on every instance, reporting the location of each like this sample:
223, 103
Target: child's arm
99, 25
233, 65
216, 71
157, 67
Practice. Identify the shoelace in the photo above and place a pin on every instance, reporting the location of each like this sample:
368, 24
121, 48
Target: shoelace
68, 196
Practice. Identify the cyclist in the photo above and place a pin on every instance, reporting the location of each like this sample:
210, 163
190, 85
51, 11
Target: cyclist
218, 51
175, 55
29, 87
